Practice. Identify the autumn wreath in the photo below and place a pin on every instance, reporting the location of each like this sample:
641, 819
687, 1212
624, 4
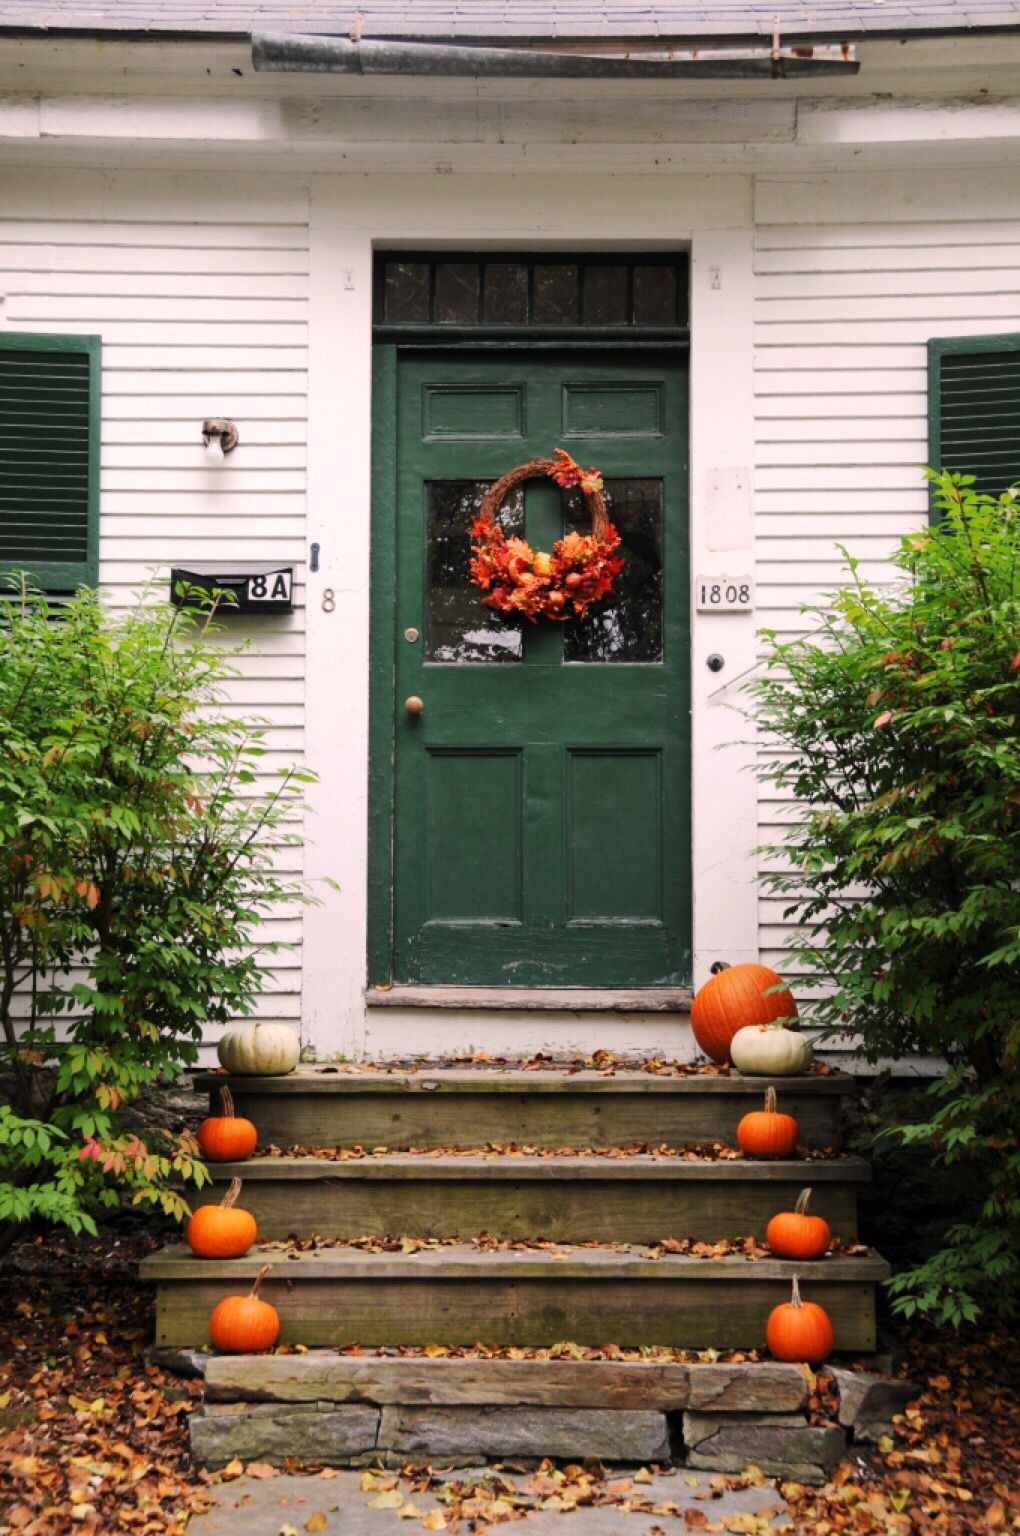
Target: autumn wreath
561, 585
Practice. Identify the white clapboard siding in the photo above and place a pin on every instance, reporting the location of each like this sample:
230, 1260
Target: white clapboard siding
203, 311
843, 314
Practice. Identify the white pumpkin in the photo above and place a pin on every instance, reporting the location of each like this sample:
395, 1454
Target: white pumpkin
259, 1050
770, 1050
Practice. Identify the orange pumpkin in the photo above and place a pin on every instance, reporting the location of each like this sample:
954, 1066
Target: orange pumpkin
796, 1235
221, 1231
736, 997
245, 1325
800, 1331
226, 1137
767, 1133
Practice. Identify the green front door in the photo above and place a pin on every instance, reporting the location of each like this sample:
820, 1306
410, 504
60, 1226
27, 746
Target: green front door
540, 800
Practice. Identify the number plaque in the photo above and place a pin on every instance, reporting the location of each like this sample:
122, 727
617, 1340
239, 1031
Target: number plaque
724, 594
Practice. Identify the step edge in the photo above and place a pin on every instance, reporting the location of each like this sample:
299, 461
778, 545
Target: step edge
454, 1081
400, 1166
182, 1267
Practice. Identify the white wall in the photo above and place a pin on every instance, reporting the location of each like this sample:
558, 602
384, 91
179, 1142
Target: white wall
199, 290
853, 275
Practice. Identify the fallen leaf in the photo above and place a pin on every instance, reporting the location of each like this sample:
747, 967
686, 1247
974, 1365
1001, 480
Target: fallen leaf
391, 1499
317, 1521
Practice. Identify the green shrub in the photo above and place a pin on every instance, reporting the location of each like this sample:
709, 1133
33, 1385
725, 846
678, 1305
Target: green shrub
896, 729
136, 858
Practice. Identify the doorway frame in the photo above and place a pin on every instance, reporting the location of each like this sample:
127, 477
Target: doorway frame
351, 217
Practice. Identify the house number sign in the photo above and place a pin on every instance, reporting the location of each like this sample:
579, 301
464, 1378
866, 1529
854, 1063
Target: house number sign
723, 594
253, 587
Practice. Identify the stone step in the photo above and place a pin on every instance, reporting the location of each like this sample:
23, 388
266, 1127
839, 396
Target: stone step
459, 1295
466, 1107
321, 1375
568, 1199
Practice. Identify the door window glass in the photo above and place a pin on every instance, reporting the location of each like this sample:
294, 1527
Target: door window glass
406, 290
458, 625
626, 625
457, 293
605, 295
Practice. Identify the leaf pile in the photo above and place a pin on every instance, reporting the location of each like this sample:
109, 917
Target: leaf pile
691, 1152
660, 1354
750, 1248
91, 1439
473, 1503
951, 1466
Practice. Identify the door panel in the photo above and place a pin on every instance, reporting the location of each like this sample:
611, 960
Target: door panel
614, 836
541, 799
473, 858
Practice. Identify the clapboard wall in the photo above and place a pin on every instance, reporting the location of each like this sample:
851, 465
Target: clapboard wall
199, 291
853, 275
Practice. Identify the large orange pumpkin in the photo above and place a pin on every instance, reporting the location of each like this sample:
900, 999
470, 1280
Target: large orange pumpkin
245, 1325
766, 1132
796, 1235
221, 1231
736, 997
800, 1331
226, 1137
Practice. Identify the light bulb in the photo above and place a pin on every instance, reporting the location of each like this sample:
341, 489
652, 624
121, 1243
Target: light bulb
214, 450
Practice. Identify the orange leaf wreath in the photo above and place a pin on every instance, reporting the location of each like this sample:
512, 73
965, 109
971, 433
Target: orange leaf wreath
561, 585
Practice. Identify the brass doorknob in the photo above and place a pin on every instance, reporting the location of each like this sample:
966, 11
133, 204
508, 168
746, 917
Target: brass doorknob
414, 705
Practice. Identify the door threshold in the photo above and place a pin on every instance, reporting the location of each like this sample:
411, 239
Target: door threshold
535, 999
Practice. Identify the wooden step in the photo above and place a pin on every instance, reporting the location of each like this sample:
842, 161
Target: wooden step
444, 1107
569, 1199
460, 1295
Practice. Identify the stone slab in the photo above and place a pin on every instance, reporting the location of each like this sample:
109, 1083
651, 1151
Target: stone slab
782, 1445
259, 1507
462, 1435
321, 1375
867, 1403
181, 1362
271, 1432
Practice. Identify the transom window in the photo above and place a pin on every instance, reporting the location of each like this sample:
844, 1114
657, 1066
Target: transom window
513, 290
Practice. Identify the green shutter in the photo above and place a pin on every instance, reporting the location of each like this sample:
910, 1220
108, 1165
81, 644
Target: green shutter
974, 408
49, 458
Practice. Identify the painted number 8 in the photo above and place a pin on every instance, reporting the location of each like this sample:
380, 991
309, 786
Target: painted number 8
328, 600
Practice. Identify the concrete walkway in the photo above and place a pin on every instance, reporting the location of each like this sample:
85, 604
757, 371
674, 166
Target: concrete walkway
271, 1506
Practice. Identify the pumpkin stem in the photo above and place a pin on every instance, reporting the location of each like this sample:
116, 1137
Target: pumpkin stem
795, 1300
233, 1190
263, 1272
226, 1103
802, 1202
771, 1103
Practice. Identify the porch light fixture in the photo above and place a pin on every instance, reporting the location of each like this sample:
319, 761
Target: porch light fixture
220, 438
